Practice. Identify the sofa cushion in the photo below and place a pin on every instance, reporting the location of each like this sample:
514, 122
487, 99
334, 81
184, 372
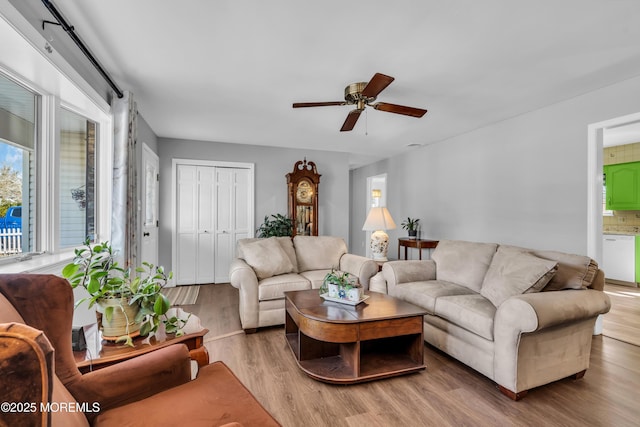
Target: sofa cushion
275, 287
316, 277
285, 242
267, 258
8, 313
319, 252
574, 271
472, 312
514, 273
66, 418
425, 293
216, 388
463, 263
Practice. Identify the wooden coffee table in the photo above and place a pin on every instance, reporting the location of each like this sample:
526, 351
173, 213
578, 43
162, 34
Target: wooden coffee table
343, 344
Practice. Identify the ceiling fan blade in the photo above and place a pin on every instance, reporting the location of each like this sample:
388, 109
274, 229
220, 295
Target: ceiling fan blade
351, 120
399, 109
317, 104
376, 85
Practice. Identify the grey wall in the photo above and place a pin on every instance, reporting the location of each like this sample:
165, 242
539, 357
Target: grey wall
145, 135
521, 181
271, 166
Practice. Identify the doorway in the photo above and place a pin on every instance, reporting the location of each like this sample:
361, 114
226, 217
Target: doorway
149, 205
595, 146
212, 209
376, 197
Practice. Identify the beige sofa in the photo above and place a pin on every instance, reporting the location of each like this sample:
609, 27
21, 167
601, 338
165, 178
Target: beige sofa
266, 268
521, 317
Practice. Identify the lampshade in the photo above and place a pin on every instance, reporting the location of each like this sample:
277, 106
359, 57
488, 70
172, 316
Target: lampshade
379, 219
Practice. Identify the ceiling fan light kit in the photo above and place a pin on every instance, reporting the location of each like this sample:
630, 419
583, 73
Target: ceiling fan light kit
362, 94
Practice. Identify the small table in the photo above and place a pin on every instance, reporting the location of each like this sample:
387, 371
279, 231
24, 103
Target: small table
100, 353
415, 243
344, 344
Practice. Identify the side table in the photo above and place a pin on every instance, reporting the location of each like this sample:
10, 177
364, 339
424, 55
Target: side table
100, 353
415, 243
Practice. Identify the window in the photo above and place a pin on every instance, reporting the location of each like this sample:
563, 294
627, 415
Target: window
77, 178
56, 138
18, 130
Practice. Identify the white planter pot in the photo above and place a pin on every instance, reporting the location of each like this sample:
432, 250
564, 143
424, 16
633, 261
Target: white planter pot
354, 294
334, 290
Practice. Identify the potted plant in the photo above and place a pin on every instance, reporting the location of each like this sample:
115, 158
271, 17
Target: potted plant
125, 306
411, 225
341, 285
278, 226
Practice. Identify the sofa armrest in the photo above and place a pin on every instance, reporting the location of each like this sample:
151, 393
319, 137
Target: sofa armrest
244, 278
535, 311
397, 272
362, 267
134, 379
553, 328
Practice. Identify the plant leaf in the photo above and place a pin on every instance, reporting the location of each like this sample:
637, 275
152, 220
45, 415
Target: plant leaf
128, 341
145, 329
162, 305
69, 270
108, 313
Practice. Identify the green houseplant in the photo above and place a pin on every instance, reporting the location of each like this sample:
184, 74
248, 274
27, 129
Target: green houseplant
276, 226
341, 285
411, 225
125, 305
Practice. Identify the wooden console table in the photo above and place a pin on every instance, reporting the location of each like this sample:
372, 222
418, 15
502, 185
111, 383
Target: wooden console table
100, 353
420, 244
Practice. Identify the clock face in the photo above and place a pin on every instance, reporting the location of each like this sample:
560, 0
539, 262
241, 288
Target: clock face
304, 193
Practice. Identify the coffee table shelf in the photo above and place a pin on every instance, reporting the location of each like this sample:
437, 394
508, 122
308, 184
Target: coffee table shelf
380, 338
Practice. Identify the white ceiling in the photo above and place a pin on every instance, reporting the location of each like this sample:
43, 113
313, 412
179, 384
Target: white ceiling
228, 71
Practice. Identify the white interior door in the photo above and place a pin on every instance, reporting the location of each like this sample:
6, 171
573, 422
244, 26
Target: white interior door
195, 225
186, 225
205, 205
232, 216
214, 208
149, 206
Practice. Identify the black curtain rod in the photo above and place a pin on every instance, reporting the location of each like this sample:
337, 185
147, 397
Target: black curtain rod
69, 29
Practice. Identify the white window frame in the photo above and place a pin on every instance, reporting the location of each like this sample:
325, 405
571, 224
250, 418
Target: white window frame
23, 58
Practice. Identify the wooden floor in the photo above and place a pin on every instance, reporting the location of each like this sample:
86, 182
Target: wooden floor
447, 393
623, 321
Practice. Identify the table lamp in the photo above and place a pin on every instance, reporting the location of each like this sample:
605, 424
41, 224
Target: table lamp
378, 220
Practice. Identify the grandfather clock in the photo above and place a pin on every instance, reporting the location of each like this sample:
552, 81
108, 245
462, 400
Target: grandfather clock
303, 197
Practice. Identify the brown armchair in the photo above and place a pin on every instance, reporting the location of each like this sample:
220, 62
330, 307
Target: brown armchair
38, 370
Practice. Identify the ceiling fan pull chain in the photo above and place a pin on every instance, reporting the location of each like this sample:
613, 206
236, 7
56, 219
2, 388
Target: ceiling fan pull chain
366, 123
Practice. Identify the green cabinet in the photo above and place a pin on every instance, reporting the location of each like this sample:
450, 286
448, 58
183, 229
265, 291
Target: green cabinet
622, 183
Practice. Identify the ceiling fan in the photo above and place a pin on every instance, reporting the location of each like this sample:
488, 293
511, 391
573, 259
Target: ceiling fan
362, 94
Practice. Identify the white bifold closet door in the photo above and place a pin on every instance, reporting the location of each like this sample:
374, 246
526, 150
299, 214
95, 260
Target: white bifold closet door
212, 212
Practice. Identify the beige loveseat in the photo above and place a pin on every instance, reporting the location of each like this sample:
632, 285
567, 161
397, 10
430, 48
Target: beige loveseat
521, 317
266, 268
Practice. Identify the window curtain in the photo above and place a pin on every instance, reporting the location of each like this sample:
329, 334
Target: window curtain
124, 214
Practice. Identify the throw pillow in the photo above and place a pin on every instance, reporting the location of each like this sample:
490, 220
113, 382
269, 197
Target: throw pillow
463, 263
574, 271
267, 258
514, 273
319, 252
